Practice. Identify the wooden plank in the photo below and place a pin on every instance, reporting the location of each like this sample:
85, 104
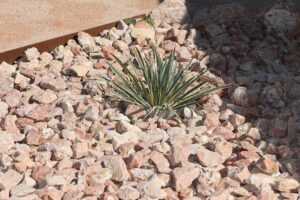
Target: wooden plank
48, 23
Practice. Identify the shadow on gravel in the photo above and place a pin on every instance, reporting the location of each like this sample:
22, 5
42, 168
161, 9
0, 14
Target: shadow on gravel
264, 68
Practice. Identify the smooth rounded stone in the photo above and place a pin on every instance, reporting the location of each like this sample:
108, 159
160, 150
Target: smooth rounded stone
280, 20
217, 61
240, 96
187, 113
247, 67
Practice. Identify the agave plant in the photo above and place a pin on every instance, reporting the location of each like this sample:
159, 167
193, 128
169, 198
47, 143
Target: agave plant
159, 86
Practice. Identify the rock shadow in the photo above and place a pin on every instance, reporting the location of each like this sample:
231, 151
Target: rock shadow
260, 58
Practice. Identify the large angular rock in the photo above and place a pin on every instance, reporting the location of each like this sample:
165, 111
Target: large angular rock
80, 69
209, 158
56, 180
6, 142
22, 190
81, 149
152, 188
86, 41
266, 193
143, 31
13, 98
40, 113
45, 97
7, 70
286, 185
118, 167
6, 85
96, 175
62, 149
32, 54
124, 138
268, 166
224, 132
3, 109
259, 179
52, 83
160, 161
174, 11
10, 179
184, 176
128, 193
